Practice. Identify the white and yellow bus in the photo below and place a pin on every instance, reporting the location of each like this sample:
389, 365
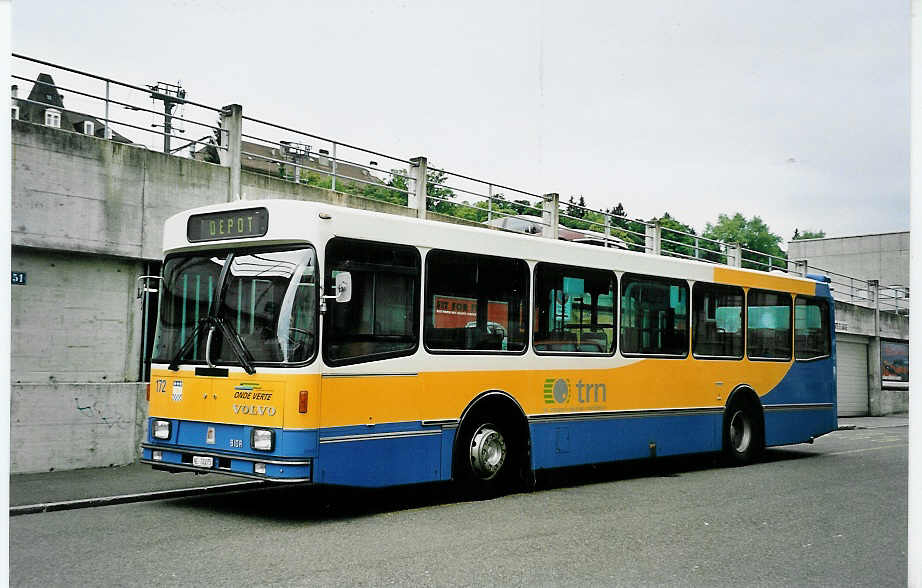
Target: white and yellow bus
304, 342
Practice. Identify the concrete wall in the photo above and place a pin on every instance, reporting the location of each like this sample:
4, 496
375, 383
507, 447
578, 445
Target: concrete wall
859, 320
73, 192
73, 425
883, 257
75, 319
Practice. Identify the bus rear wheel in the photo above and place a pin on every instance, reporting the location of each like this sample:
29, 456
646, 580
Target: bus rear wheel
742, 437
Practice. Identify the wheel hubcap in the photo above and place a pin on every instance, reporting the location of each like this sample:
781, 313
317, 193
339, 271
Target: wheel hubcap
740, 432
488, 452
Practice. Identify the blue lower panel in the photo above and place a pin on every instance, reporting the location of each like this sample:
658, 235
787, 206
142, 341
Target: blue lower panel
288, 444
387, 461
785, 427
448, 447
570, 443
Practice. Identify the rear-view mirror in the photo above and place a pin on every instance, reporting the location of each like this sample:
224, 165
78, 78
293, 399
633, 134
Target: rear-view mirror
343, 287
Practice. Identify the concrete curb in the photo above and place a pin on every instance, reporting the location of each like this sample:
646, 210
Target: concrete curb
128, 498
862, 427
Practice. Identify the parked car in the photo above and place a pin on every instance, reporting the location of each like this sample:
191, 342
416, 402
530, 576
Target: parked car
530, 224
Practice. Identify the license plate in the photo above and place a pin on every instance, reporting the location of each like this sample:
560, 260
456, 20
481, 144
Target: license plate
201, 461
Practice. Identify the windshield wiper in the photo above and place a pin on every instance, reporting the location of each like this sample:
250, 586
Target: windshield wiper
237, 345
229, 334
214, 320
174, 363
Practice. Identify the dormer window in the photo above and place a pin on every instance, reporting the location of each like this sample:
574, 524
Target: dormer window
53, 118
89, 128
14, 112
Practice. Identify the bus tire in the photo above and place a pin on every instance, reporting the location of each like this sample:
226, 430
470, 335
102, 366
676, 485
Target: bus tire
487, 457
742, 433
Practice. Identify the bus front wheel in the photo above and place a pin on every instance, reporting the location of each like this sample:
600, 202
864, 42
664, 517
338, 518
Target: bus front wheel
486, 456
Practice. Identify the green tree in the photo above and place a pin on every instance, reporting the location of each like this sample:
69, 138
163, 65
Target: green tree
576, 209
523, 206
751, 234
808, 234
677, 236
439, 193
631, 231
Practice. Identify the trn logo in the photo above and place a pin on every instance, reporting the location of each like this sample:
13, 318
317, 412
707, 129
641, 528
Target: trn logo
557, 391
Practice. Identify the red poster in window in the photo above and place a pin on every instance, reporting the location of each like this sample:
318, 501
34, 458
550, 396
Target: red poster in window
455, 312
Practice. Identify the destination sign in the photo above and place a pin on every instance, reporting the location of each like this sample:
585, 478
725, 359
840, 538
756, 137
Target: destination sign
234, 224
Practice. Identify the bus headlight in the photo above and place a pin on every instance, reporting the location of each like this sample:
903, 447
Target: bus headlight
161, 429
262, 439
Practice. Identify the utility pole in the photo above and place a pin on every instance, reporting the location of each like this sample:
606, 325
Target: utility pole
299, 154
171, 95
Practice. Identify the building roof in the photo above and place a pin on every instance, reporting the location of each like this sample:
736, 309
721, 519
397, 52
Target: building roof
861, 236
264, 159
45, 95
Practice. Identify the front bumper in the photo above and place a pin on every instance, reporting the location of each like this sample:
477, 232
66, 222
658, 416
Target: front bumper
228, 449
175, 458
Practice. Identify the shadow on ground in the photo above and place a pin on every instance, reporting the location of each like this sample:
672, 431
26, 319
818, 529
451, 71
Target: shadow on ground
299, 503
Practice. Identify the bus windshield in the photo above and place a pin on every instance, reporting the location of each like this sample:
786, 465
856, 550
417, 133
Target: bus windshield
268, 298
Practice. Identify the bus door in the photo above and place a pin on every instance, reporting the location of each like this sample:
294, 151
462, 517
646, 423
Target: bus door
370, 427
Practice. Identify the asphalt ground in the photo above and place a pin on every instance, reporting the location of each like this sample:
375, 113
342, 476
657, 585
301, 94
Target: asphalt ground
62, 490
828, 514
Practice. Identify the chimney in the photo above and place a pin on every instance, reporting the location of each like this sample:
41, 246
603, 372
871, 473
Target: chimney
324, 161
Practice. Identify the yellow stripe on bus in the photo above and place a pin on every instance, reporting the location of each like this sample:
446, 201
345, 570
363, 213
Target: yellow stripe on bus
646, 384
375, 399
763, 281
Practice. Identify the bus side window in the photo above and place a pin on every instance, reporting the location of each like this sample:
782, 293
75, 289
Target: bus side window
475, 302
574, 310
654, 316
768, 325
717, 325
381, 320
811, 328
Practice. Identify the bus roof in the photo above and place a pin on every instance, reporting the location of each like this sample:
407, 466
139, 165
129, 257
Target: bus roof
292, 221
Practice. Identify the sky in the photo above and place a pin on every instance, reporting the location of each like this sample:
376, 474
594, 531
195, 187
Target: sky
796, 112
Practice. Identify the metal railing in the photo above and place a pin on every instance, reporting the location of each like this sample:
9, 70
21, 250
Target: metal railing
259, 146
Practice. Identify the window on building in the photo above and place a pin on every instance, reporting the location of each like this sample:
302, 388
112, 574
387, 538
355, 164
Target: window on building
574, 309
53, 118
14, 112
475, 302
89, 128
717, 321
654, 316
811, 328
382, 319
768, 323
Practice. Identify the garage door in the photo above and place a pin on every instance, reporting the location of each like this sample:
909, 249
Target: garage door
852, 376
